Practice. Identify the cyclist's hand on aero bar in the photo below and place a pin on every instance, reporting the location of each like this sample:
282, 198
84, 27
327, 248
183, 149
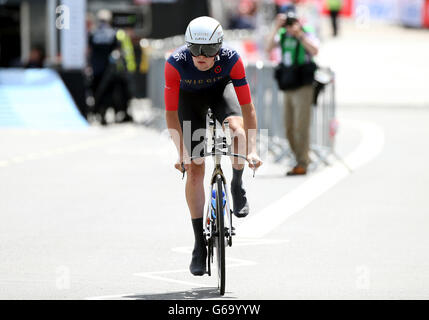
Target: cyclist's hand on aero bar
183, 163
254, 161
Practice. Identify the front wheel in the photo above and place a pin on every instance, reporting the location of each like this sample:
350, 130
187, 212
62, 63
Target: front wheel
220, 239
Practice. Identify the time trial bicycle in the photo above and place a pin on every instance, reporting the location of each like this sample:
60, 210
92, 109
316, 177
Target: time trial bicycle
218, 228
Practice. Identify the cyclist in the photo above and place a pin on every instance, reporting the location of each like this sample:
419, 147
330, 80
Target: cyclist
205, 74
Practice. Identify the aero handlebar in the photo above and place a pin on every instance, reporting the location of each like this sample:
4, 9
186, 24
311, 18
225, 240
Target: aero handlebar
218, 153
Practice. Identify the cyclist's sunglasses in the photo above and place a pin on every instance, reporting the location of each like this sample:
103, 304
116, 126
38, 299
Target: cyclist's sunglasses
207, 50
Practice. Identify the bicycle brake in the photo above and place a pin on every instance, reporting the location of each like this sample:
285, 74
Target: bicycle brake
183, 170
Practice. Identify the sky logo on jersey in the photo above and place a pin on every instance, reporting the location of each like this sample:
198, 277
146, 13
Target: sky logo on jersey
228, 53
179, 56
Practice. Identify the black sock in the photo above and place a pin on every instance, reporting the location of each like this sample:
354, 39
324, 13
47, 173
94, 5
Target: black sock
237, 177
241, 207
197, 225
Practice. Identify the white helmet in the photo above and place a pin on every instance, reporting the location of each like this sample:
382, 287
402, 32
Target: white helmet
204, 30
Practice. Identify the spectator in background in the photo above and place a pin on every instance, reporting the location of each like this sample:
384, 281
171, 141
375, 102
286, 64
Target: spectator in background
298, 46
245, 18
36, 58
126, 68
334, 7
307, 11
90, 22
101, 44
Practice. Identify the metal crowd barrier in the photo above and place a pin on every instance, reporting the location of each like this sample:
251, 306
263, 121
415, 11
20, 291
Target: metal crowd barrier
268, 101
324, 122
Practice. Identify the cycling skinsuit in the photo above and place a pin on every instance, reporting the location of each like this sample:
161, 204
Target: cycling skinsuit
223, 88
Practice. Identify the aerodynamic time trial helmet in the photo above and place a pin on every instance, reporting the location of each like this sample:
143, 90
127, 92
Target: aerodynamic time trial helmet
204, 36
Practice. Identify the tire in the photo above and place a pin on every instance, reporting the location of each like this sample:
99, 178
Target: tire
209, 256
220, 239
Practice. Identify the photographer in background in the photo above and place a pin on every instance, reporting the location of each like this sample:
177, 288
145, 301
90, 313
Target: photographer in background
295, 75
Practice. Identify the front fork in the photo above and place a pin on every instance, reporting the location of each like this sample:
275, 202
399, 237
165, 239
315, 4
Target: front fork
209, 218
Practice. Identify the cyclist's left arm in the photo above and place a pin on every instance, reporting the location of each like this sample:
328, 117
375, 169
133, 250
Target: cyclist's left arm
238, 77
250, 127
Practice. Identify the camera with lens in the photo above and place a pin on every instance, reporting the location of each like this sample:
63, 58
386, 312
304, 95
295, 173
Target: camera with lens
291, 18
290, 21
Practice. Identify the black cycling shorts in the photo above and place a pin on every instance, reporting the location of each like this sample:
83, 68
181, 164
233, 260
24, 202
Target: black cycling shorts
193, 107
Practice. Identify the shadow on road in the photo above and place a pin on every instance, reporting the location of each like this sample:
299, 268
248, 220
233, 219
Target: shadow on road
193, 294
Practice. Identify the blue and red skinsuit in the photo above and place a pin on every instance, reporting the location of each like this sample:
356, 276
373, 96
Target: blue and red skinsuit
181, 74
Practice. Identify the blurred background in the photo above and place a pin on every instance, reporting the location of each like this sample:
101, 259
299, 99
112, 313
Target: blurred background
107, 83
90, 203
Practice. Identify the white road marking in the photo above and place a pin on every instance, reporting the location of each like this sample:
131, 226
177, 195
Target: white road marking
268, 219
230, 263
240, 241
150, 275
123, 296
155, 275
162, 275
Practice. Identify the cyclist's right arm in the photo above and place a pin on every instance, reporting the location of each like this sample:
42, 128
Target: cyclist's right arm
171, 97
